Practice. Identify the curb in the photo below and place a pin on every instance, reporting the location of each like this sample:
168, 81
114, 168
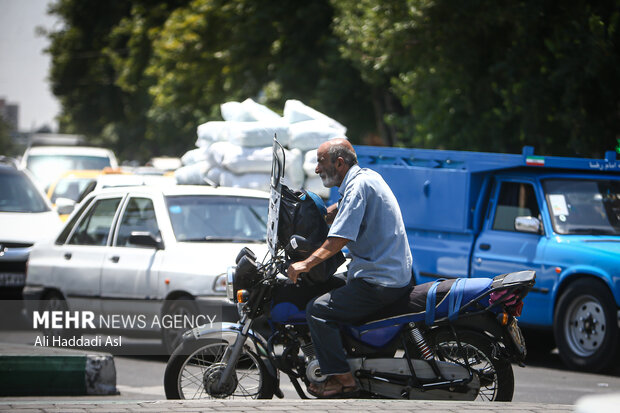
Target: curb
54, 372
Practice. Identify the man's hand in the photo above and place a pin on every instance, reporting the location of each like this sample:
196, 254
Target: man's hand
331, 246
295, 269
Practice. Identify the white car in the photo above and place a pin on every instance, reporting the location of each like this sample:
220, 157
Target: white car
47, 163
149, 252
26, 216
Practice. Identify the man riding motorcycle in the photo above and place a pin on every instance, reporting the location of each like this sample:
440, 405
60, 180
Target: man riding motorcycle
367, 220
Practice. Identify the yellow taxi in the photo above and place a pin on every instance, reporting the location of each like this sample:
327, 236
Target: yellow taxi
73, 186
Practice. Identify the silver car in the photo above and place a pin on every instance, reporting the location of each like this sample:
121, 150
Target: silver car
146, 253
26, 216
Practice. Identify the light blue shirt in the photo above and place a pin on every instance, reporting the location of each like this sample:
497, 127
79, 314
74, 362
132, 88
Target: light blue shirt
369, 216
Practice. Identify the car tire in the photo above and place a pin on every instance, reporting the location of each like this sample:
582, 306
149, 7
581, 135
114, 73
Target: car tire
585, 326
54, 301
171, 337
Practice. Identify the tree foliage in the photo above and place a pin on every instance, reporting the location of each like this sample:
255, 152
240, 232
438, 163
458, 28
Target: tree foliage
171, 64
479, 75
493, 75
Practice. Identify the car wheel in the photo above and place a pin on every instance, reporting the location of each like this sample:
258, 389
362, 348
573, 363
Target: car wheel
176, 310
53, 301
585, 326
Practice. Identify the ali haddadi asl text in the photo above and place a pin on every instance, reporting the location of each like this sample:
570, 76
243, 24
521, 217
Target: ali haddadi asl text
96, 341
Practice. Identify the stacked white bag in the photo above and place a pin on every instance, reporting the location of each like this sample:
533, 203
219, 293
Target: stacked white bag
237, 152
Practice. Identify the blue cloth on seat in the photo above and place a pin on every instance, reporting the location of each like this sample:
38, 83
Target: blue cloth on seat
456, 297
431, 300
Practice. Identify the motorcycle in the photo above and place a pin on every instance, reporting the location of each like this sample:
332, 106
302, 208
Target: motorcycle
445, 340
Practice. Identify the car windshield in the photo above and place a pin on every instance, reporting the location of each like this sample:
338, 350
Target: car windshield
204, 218
46, 168
18, 194
70, 188
587, 207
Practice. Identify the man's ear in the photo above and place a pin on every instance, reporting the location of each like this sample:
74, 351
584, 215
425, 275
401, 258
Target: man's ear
340, 162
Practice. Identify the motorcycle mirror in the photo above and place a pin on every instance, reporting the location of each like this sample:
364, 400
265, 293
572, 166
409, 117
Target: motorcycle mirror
245, 251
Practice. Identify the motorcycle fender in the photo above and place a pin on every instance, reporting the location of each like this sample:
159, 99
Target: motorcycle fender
486, 324
229, 332
483, 323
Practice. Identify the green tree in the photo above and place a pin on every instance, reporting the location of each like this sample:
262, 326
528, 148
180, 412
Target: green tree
139, 76
213, 51
82, 77
489, 75
98, 59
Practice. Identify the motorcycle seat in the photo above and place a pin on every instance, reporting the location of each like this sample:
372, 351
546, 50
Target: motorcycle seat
412, 307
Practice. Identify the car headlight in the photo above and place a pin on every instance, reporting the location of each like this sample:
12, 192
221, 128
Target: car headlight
230, 278
219, 285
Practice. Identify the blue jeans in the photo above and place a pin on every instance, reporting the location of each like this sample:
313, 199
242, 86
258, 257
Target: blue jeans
352, 303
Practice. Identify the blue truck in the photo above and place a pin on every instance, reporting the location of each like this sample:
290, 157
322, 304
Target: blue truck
473, 214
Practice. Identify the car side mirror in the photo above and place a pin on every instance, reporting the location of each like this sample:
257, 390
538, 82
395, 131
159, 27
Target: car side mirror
528, 224
146, 239
64, 206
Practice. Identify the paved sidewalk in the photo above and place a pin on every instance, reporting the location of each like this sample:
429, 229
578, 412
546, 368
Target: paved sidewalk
277, 406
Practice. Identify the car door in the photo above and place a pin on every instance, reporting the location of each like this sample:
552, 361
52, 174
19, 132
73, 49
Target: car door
81, 256
130, 276
500, 248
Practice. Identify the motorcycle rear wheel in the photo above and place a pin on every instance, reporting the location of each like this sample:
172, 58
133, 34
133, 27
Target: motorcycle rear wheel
496, 375
195, 367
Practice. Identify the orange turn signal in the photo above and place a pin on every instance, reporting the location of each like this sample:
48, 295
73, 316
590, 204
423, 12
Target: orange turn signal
242, 296
503, 318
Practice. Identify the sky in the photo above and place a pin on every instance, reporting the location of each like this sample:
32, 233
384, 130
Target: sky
23, 65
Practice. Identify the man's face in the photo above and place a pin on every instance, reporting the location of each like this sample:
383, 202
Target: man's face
326, 169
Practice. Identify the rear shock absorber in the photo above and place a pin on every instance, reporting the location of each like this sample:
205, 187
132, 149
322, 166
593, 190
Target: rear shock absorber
418, 339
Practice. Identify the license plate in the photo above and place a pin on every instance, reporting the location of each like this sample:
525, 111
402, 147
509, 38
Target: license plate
517, 337
12, 279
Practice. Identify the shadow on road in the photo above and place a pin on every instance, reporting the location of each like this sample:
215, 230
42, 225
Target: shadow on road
541, 352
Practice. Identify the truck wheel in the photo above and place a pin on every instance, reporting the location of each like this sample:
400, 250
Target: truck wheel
585, 326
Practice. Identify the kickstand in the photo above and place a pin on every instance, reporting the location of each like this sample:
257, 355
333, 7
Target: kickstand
298, 389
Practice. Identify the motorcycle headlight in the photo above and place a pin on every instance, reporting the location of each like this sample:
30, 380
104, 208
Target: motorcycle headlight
230, 283
245, 276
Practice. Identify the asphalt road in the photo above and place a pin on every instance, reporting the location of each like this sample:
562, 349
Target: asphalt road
543, 380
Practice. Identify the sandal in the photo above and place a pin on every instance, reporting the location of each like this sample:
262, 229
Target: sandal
333, 389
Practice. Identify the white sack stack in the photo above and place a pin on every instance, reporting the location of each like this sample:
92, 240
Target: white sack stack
237, 152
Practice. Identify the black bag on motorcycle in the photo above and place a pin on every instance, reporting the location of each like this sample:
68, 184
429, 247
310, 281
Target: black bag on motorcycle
303, 213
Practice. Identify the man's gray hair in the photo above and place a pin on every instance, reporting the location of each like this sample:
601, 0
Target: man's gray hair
340, 151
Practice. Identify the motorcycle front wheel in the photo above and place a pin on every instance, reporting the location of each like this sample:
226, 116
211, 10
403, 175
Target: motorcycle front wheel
496, 376
194, 369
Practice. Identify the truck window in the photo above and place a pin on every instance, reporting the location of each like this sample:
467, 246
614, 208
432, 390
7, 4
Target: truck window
515, 199
588, 207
